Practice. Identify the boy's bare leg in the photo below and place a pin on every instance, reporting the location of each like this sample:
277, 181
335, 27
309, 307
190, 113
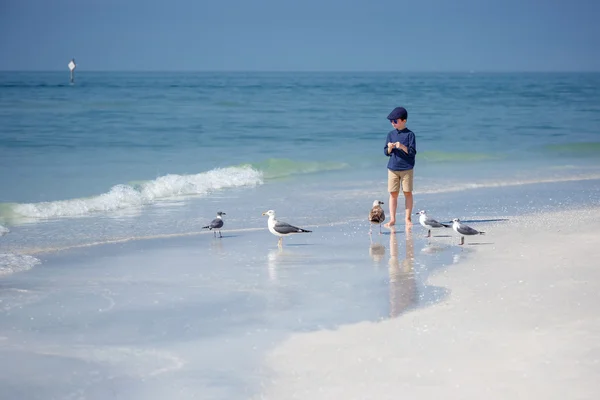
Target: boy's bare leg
408, 206
393, 207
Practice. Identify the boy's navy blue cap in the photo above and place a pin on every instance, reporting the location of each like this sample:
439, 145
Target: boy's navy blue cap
398, 113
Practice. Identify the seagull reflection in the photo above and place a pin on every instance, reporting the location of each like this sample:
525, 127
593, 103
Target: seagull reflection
272, 260
456, 258
377, 252
282, 259
433, 248
217, 250
216, 247
403, 286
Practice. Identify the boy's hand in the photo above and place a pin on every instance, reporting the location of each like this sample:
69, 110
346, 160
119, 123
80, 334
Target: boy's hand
400, 146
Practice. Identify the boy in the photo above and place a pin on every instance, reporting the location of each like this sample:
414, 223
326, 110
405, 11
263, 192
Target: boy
401, 148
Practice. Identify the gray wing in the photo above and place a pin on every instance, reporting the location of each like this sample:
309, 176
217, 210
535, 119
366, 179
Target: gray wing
377, 215
216, 223
434, 224
284, 228
467, 230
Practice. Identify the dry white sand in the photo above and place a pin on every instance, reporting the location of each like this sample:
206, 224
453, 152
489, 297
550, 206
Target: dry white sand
522, 322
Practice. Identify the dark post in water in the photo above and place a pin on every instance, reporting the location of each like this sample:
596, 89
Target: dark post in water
72, 67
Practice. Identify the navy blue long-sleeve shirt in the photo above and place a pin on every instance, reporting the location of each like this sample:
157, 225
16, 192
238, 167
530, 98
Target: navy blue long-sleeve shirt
399, 160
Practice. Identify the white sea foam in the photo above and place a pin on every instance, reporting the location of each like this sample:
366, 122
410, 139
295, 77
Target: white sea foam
3, 230
441, 187
136, 195
12, 263
493, 184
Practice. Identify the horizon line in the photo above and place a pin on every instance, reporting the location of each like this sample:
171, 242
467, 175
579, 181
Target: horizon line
459, 71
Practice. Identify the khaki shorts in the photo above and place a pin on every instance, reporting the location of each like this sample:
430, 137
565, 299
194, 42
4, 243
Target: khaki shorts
397, 177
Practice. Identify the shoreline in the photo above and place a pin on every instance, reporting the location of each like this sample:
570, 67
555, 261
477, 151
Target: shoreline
521, 322
116, 312
331, 315
56, 235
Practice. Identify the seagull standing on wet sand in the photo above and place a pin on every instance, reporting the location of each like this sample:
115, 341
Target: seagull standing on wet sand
463, 229
376, 216
429, 222
216, 224
281, 229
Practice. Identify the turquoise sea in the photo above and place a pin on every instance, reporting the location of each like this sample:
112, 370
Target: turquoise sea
108, 289
127, 155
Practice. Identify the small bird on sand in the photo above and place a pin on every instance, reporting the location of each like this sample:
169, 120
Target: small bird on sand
216, 224
463, 229
281, 229
429, 222
376, 216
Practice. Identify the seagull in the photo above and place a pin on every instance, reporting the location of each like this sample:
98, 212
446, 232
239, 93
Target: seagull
3, 230
281, 229
463, 229
376, 215
429, 223
216, 224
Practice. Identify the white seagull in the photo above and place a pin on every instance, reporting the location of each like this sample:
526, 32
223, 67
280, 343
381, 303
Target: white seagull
216, 224
376, 215
429, 222
463, 229
281, 229
3, 230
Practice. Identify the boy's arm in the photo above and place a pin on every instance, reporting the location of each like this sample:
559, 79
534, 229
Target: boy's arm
387, 149
411, 149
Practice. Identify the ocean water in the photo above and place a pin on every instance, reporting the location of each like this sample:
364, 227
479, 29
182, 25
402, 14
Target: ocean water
127, 155
144, 160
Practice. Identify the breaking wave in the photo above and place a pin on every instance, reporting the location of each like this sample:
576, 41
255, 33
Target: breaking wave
142, 193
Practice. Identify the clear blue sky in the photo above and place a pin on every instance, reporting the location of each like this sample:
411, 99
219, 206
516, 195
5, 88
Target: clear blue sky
306, 35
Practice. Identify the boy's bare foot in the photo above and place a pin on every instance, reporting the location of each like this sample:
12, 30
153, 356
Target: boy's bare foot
390, 224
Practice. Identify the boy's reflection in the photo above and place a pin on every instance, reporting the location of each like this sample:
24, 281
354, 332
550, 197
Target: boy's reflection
403, 287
